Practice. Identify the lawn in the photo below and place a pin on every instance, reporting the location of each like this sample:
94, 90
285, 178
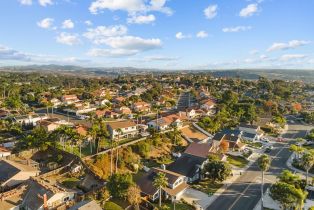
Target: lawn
254, 144
207, 186
237, 161
70, 182
178, 205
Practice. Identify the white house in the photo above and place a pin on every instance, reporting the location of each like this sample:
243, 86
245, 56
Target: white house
30, 119
4, 152
122, 129
42, 195
251, 132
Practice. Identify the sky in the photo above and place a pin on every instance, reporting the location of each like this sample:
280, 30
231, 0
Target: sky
164, 34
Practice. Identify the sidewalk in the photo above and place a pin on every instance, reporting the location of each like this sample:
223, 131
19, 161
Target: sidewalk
291, 167
237, 172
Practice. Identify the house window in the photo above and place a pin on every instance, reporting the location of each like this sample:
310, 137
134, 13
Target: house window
66, 199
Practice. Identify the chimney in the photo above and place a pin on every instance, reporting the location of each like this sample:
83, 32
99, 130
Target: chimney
45, 202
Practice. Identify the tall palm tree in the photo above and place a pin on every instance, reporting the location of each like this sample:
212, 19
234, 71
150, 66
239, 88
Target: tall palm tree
160, 181
176, 134
307, 162
117, 152
263, 163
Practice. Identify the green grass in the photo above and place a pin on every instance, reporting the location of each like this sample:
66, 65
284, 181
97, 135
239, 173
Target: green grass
254, 144
237, 161
178, 205
207, 186
112, 206
70, 182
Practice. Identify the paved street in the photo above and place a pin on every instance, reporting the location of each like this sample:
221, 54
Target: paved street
244, 193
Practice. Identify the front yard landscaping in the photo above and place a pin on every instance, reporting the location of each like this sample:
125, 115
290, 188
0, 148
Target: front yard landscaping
237, 161
207, 186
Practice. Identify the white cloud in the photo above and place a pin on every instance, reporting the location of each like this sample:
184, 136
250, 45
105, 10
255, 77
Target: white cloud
202, 34
131, 6
88, 23
236, 29
45, 2
160, 58
254, 52
289, 57
45, 23
68, 24
180, 35
10, 54
290, 45
125, 46
99, 34
250, 10
211, 11
96, 52
133, 43
141, 19
26, 2
67, 39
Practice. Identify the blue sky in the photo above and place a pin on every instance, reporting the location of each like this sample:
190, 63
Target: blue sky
167, 34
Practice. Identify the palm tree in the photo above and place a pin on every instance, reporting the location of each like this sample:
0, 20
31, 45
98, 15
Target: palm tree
176, 134
160, 181
263, 163
307, 162
297, 149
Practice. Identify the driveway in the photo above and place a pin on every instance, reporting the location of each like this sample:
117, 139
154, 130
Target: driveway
198, 197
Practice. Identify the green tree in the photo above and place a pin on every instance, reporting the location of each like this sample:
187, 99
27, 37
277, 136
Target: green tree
287, 195
217, 170
263, 163
307, 162
119, 184
134, 196
160, 181
297, 149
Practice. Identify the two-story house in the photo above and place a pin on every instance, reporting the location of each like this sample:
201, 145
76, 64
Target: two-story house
141, 107
174, 190
122, 129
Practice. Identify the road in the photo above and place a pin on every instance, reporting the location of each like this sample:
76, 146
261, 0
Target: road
244, 193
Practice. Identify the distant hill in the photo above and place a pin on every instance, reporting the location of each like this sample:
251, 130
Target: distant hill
251, 74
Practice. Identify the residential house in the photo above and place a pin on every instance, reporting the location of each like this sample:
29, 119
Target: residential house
166, 122
52, 124
203, 150
55, 102
102, 102
44, 195
4, 152
251, 132
80, 108
118, 100
209, 105
14, 173
234, 142
189, 165
174, 190
191, 113
86, 205
30, 119
112, 114
69, 99
99, 93
122, 129
141, 107
123, 110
